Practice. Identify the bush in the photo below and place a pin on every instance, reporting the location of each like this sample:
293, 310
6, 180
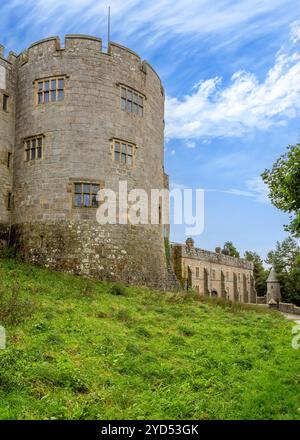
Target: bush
87, 289
14, 309
143, 332
123, 315
186, 331
9, 252
118, 289
133, 349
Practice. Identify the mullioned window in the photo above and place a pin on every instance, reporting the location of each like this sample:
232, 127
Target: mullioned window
132, 101
124, 152
85, 195
49, 90
34, 148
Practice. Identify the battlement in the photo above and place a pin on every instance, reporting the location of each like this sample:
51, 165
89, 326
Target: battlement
79, 44
212, 257
11, 56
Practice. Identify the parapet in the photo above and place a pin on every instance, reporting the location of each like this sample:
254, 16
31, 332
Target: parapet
118, 50
11, 56
78, 44
213, 257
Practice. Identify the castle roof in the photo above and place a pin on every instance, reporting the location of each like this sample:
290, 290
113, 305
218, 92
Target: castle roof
272, 278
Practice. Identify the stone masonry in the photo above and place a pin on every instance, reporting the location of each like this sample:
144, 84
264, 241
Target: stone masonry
37, 211
214, 274
54, 137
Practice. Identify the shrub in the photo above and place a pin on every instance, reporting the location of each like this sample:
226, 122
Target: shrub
141, 331
118, 289
63, 376
177, 340
133, 349
13, 308
102, 315
123, 315
88, 289
9, 253
186, 331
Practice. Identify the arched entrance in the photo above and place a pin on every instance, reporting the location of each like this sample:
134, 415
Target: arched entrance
214, 294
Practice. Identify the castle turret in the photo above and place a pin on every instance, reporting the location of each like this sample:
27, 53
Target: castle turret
85, 120
273, 287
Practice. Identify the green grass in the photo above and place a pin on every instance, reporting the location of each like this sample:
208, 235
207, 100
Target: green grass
79, 349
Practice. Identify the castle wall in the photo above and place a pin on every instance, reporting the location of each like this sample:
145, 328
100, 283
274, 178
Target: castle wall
214, 274
7, 125
77, 146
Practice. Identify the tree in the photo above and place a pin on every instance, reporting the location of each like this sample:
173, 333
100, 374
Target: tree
283, 181
230, 249
259, 272
286, 261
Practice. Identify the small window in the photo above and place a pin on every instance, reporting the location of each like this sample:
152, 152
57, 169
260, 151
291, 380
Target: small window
9, 155
34, 148
85, 195
5, 103
9, 201
132, 101
213, 274
197, 272
123, 152
50, 90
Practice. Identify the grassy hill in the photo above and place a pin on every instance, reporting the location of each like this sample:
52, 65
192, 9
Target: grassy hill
81, 349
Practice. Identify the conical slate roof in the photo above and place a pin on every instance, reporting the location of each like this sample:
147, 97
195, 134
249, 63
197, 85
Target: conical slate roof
272, 278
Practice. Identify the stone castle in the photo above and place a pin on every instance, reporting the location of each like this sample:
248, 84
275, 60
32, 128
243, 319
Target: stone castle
75, 119
214, 274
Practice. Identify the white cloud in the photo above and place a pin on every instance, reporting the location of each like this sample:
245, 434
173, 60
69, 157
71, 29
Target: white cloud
174, 185
295, 31
211, 109
259, 189
152, 23
256, 189
190, 144
245, 105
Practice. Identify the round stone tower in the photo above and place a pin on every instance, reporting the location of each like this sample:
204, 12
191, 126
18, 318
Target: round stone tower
273, 287
87, 119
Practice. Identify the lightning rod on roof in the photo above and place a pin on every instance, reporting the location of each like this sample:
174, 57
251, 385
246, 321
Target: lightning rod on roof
108, 28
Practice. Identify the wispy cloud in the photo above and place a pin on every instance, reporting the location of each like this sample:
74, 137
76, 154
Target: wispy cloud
211, 109
259, 189
245, 105
190, 144
153, 23
256, 189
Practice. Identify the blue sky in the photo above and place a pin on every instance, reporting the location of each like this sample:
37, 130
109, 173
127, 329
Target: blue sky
231, 70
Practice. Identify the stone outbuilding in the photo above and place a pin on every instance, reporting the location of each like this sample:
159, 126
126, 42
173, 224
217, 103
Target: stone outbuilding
213, 273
